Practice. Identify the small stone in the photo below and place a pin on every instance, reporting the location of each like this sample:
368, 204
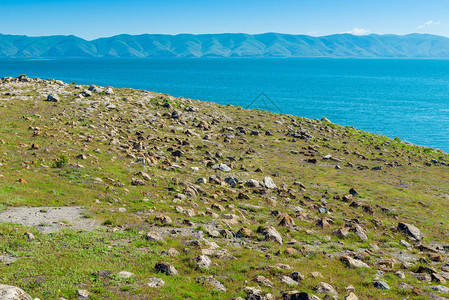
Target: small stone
212, 281
201, 180
381, 285
351, 296
30, 236
269, 183
125, 274
296, 276
263, 280
353, 263
288, 280
163, 219
243, 232
154, 282
153, 237
411, 231
166, 268
82, 294
440, 289
53, 98
202, 262
325, 288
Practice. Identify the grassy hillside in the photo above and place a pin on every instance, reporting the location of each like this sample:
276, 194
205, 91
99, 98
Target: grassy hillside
240, 202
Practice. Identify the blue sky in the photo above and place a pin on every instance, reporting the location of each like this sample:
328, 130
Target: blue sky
93, 19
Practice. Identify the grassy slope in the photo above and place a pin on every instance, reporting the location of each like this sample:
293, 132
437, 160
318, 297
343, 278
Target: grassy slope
58, 264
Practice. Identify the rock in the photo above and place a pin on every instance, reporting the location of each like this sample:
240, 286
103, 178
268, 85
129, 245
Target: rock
9, 292
360, 232
353, 263
109, 91
201, 180
154, 282
153, 237
253, 183
325, 288
30, 236
232, 181
263, 280
269, 183
137, 182
440, 289
165, 268
381, 285
125, 274
177, 153
296, 276
271, 233
82, 294
53, 98
7, 259
243, 232
287, 221
351, 296
162, 219
288, 280
224, 168
341, 232
295, 295
202, 262
400, 274
176, 114
410, 231
212, 281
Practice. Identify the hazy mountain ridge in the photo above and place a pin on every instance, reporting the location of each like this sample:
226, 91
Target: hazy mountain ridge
227, 45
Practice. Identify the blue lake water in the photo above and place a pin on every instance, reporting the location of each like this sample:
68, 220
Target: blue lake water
404, 98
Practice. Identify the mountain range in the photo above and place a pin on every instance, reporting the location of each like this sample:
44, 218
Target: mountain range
227, 45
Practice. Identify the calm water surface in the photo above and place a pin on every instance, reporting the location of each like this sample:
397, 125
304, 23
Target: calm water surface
404, 98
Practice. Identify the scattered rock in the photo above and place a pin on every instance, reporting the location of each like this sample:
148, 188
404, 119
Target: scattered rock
8, 292
154, 282
325, 288
410, 231
166, 268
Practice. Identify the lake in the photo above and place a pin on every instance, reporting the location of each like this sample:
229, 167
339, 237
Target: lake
405, 98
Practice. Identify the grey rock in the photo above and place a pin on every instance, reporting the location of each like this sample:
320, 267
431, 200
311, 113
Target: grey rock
381, 285
203, 262
7, 259
9, 292
353, 263
253, 183
325, 288
165, 268
440, 289
411, 231
125, 274
211, 281
82, 294
269, 183
271, 233
53, 98
154, 282
288, 280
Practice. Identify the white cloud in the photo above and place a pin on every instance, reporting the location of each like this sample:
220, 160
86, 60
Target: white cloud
358, 31
428, 24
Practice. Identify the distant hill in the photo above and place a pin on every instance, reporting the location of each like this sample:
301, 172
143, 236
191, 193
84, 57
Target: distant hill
227, 45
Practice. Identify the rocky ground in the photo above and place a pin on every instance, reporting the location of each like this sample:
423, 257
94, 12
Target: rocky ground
124, 194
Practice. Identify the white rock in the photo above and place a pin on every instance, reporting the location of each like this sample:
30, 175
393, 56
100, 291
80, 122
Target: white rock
155, 282
9, 292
